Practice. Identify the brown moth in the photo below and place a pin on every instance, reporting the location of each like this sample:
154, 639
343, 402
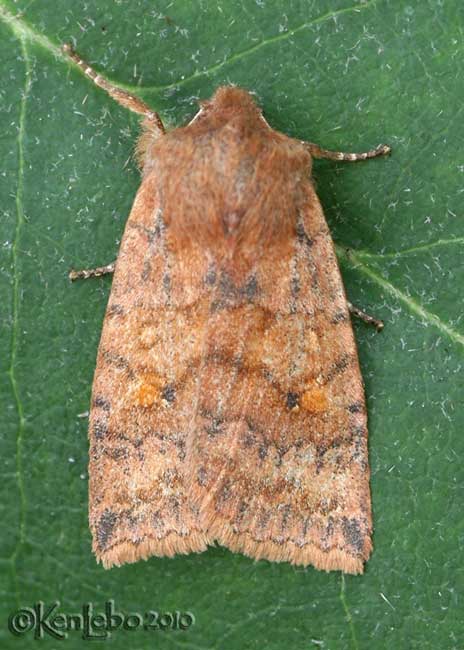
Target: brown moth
227, 403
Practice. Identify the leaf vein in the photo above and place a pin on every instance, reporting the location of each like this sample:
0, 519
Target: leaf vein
268, 41
348, 616
25, 31
15, 313
455, 241
414, 306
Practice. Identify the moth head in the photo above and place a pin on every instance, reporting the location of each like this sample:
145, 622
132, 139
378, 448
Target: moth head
228, 102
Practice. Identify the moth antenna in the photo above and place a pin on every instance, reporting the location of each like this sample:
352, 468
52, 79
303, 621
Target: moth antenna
121, 96
317, 152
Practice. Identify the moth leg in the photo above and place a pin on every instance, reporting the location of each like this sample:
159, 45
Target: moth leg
84, 274
370, 320
124, 98
317, 152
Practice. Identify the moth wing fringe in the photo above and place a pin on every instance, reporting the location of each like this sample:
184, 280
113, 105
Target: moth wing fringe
173, 544
333, 560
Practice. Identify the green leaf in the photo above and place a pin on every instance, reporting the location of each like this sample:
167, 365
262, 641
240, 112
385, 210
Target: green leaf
348, 77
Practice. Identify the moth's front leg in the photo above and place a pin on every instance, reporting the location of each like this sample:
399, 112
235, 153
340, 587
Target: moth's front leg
152, 126
84, 274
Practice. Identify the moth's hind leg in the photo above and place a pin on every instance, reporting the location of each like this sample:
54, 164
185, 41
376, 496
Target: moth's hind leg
366, 318
124, 98
84, 274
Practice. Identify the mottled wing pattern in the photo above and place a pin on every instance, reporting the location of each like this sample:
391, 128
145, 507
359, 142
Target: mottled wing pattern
278, 454
142, 396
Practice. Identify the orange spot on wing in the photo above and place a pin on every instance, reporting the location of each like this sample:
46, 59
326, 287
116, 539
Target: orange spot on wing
146, 395
314, 400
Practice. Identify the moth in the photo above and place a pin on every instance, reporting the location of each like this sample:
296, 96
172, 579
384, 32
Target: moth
227, 403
